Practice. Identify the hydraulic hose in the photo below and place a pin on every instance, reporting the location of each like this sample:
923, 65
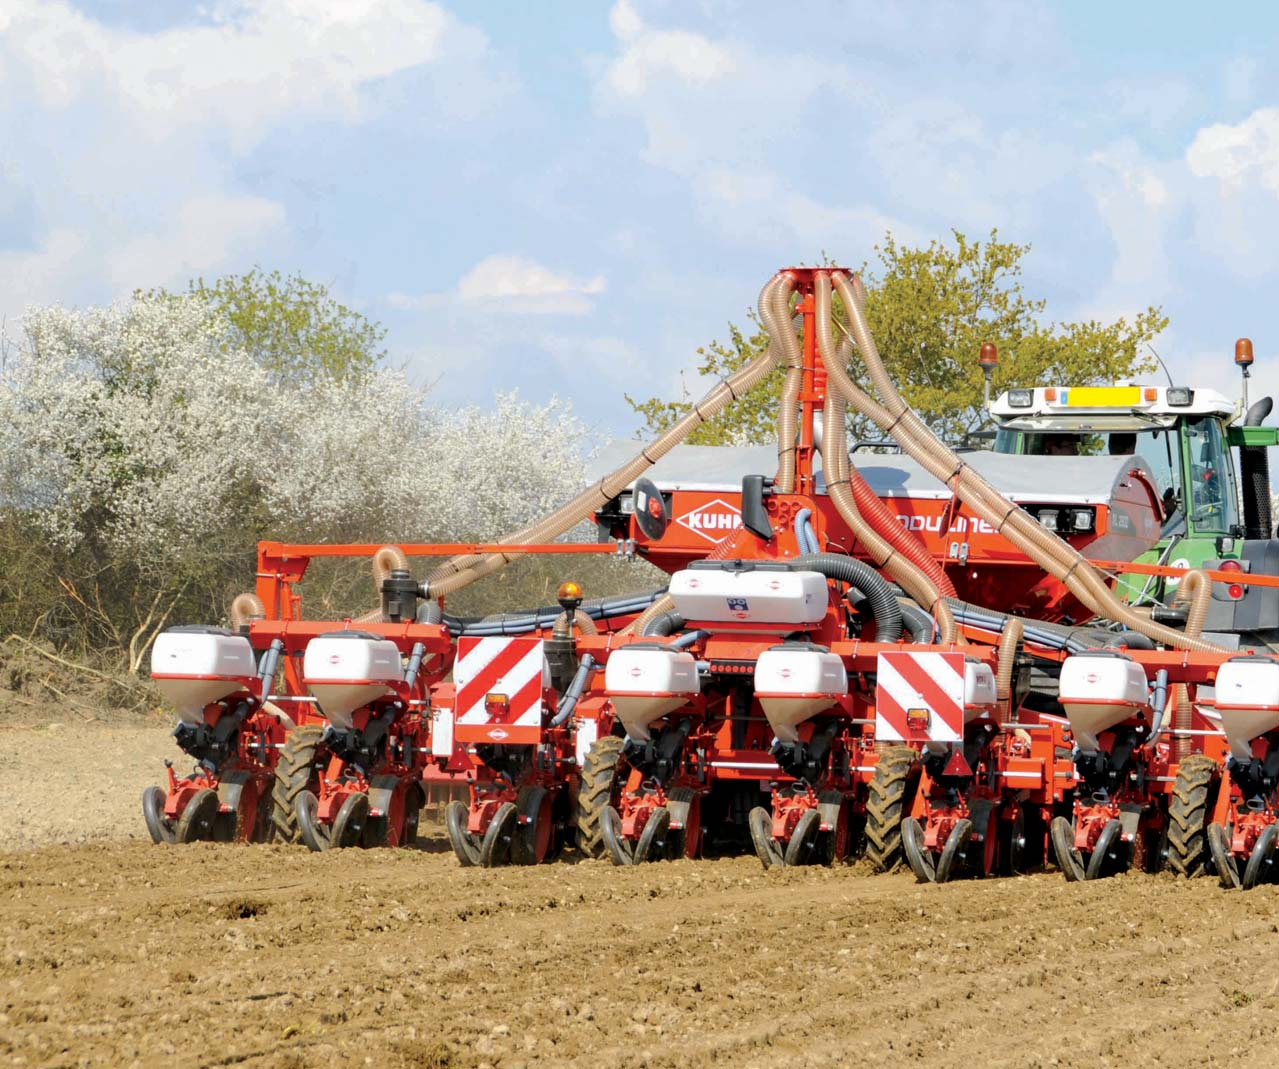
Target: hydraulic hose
459, 572
804, 532
880, 595
521, 623
1051, 553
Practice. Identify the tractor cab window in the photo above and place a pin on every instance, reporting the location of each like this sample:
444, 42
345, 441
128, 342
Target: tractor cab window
1213, 505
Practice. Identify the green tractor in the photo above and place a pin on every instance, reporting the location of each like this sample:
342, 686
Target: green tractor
1216, 512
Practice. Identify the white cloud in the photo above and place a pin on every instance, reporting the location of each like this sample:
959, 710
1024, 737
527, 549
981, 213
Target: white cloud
1240, 154
127, 143
651, 55
508, 283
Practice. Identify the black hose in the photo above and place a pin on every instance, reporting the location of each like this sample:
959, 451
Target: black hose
921, 626
574, 691
878, 591
519, 623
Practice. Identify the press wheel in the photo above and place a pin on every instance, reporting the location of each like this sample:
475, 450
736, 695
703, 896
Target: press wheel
1223, 857
197, 818
464, 844
952, 853
799, 851
348, 825
306, 815
496, 846
1258, 863
1069, 860
761, 827
531, 841
918, 856
652, 840
618, 848
161, 830
1101, 861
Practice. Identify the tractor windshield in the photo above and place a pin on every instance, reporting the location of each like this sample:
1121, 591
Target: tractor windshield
1159, 447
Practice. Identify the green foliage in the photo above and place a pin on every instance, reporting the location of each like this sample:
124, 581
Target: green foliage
293, 328
930, 309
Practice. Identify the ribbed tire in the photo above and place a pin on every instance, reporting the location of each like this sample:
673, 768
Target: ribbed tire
1192, 797
295, 773
595, 792
886, 807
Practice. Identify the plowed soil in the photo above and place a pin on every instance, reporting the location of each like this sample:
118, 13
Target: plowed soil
120, 953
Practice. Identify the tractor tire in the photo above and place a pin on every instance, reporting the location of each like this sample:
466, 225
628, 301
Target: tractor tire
295, 773
887, 805
1193, 795
597, 787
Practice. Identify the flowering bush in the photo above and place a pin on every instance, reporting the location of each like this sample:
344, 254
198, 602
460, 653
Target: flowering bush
145, 456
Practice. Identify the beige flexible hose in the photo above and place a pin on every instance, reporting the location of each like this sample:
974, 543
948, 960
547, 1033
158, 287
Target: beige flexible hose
562, 628
781, 334
245, 607
1008, 643
836, 468
462, 571
1195, 591
1055, 556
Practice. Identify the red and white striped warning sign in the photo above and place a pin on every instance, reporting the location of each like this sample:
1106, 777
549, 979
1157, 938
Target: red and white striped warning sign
499, 688
919, 697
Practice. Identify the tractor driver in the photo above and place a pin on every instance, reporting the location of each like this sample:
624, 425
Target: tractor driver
1122, 443
1061, 445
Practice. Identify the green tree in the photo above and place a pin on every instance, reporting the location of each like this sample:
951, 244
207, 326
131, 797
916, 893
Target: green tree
293, 328
930, 309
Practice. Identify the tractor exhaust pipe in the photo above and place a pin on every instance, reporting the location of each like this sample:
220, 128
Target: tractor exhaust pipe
1254, 469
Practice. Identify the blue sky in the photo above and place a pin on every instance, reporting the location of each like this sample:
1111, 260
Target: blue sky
571, 198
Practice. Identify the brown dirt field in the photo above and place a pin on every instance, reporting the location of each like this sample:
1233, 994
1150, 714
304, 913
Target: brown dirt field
120, 953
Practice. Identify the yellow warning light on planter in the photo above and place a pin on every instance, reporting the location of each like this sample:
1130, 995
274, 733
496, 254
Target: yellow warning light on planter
569, 592
917, 719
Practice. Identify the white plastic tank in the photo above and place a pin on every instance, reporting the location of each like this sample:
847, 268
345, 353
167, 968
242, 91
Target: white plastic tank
775, 597
795, 681
1099, 690
645, 681
194, 666
348, 669
980, 693
1247, 700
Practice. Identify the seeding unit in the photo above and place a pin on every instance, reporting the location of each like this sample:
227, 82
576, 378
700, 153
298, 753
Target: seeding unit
822, 676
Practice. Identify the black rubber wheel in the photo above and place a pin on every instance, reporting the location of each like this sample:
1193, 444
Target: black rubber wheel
890, 788
803, 840
652, 840
599, 786
348, 825
307, 819
1012, 844
297, 771
1193, 795
196, 821
1102, 863
918, 857
769, 853
161, 830
836, 844
496, 847
1069, 860
615, 843
531, 842
1258, 870
952, 859
463, 842
1223, 857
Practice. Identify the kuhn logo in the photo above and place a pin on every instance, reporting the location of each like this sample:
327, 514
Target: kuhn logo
714, 521
497, 734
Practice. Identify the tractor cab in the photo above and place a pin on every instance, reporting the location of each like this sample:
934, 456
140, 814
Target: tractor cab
1183, 435
1209, 460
